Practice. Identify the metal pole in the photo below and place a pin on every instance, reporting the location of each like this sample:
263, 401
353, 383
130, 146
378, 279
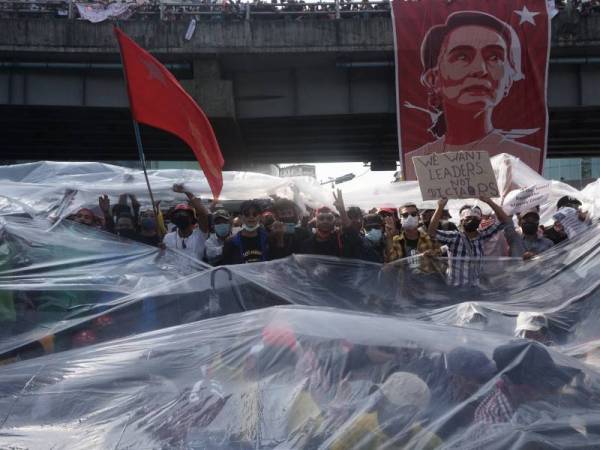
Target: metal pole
71, 9
138, 140
161, 10
337, 9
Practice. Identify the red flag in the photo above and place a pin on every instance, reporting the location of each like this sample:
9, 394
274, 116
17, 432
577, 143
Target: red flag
157, 99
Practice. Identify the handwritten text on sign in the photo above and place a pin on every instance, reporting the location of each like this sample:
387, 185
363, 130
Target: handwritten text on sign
523, 199
456, 175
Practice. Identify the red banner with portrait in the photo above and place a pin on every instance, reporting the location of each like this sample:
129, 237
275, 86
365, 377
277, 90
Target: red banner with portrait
471, 75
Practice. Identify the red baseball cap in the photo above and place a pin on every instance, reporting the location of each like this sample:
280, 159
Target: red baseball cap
184, 207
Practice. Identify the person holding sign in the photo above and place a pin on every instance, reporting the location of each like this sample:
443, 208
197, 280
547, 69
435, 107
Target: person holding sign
465, 247
529, 243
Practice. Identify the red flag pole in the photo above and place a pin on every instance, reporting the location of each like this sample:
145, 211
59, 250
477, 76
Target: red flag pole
138, 140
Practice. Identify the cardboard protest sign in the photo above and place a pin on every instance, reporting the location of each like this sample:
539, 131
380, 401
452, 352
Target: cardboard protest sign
523, 199
456, 175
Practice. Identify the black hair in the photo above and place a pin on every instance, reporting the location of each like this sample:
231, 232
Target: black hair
372, 219
284, 203
354, 212
251, 204
567, 201
408, 205
434, 41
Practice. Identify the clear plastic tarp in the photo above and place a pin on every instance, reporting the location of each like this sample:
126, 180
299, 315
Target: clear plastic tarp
57, 189
107, 343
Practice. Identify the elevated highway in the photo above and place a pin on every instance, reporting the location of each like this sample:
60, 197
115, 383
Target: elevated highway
281, 85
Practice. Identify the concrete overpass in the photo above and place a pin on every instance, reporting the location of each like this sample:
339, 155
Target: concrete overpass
278, 88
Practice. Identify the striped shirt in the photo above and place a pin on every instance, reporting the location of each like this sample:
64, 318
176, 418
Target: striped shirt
465, 255
495, 407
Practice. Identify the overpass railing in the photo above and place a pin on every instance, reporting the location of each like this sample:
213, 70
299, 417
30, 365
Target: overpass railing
244, 9
169, 9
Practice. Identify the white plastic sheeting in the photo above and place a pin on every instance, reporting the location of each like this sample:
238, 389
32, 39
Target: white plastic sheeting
61, 188
111, 345
41, 188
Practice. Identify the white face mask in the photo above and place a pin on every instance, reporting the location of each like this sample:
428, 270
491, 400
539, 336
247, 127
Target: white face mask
374, 235
410, 222
235, 230
249, 228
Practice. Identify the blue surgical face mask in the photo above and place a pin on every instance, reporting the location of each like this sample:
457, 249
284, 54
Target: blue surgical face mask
290, 228
374, 235
149, 223
222, 229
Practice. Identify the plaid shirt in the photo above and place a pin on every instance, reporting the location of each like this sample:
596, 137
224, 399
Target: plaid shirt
466, 255
397, 245
495, 407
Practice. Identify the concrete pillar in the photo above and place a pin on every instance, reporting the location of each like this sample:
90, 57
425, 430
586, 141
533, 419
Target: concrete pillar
214, 95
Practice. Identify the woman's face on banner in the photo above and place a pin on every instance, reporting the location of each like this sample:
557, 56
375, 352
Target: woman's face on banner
473, 68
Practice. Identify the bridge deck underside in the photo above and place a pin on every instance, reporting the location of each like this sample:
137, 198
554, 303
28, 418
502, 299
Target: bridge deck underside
74, 133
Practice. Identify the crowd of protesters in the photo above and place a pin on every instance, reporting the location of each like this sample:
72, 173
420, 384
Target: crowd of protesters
261, 230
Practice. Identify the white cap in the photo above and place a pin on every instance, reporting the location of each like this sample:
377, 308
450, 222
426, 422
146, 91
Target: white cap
475, 211
530, 321
406, 389
468, 311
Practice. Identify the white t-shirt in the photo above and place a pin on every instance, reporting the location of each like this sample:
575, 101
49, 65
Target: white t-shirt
192, 245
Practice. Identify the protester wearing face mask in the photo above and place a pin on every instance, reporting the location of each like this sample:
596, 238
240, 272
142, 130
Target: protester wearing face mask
222, 231
327, 240
411, 241
529, 243
151, 228
251, 244
287, 235
465, 248
124, 227
187, 237
374, 239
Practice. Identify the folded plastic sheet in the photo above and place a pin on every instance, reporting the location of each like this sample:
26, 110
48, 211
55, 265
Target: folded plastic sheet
63, 282
58, 189
48, 277
114, 344
298, 377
